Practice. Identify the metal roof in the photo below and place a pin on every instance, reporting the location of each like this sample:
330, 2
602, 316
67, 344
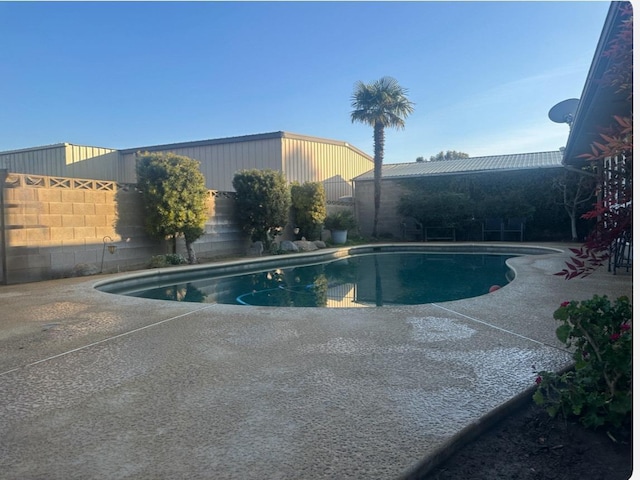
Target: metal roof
518, 161
50, 147
244, 138
212, 141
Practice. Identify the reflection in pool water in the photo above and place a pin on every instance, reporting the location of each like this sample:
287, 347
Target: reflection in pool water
360, 281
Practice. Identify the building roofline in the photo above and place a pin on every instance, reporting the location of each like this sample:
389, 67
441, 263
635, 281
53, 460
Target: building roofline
32, 149
462, 172
243, 138
476, 158
52, 147
200, 143
366, 177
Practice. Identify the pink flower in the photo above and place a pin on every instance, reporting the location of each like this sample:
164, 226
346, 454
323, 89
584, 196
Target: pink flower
538, 380
614, 337
565, 304
625, 327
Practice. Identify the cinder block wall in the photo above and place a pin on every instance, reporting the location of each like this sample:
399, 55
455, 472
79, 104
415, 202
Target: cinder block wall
223, 236
53, 224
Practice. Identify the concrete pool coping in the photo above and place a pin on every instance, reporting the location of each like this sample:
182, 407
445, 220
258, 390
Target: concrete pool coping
189, 273
94, 385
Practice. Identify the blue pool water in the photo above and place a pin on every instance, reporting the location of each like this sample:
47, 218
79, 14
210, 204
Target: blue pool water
365, 280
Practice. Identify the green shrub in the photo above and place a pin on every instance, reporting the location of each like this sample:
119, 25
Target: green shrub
340, 220
262, 203
308, 204
159, 261
598, 389
436, 209
174, 195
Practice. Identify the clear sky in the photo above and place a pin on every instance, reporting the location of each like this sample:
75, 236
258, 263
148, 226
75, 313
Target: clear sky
483, 75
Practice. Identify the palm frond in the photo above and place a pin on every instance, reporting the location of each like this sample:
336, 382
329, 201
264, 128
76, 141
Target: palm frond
383, 101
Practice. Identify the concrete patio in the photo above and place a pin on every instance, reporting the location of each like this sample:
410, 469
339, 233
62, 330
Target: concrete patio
101, 386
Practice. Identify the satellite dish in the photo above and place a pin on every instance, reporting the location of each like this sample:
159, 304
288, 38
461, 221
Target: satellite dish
564, 112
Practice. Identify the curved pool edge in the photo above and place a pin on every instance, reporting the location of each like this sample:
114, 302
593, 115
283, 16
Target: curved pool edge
123, 282
127, 350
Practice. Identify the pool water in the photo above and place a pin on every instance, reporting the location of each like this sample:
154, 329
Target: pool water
367, 280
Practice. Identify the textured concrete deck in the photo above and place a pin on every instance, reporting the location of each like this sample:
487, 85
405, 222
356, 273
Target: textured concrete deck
96, 386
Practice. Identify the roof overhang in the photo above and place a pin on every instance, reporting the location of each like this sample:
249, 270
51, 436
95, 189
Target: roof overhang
598, 103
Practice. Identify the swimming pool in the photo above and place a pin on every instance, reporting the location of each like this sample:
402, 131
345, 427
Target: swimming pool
355, 277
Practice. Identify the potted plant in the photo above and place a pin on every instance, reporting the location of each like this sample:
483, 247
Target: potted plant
339, 223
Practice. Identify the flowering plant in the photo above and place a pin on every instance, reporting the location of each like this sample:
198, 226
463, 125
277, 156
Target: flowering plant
598, 389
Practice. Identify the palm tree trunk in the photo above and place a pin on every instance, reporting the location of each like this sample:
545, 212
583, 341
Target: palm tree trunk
378, 155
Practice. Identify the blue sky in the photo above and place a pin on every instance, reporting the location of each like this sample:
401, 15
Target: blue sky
483, 75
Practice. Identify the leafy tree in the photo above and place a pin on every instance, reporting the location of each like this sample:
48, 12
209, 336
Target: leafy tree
575, 190
308, 202
436, 209
174, 196
502, 194
263, 200
380, 104
449, 155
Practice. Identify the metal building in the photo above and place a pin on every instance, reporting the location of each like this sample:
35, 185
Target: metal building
394, 177
301, 158
63, 160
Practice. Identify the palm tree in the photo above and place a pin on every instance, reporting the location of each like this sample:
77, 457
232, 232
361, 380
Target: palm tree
380, 104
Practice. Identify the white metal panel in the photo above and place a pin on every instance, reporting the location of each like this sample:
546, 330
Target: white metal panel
220, 161
300, 158
333, 163
91, 162
48, 160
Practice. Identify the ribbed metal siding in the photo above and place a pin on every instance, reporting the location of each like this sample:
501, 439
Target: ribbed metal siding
42, 161
519, 161
64, 160
219, 162
91, 162
334, 165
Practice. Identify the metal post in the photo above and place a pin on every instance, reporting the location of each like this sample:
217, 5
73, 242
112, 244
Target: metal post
112, 249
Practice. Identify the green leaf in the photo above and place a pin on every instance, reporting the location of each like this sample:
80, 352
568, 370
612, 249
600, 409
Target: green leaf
538, 398
562, 332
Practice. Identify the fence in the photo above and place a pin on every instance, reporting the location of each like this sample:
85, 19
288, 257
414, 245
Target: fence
52, 225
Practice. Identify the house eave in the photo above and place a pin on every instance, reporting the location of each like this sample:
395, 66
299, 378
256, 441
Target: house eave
597, 104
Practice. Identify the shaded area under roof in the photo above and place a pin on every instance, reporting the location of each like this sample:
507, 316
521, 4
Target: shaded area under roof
598, 102
518, 161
